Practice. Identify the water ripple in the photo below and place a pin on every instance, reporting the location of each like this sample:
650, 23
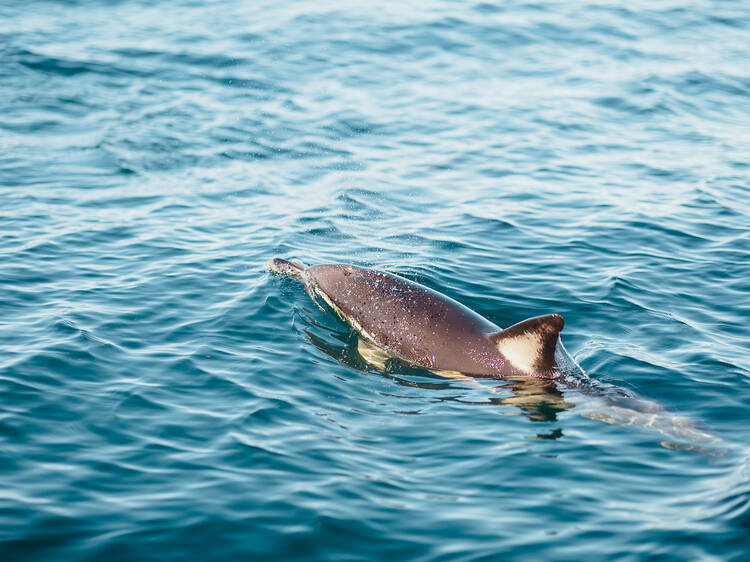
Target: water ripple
166, 398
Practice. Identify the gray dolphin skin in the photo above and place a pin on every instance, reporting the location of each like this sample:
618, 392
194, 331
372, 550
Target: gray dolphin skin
426, 328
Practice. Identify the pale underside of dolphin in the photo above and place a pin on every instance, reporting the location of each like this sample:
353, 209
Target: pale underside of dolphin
404, 319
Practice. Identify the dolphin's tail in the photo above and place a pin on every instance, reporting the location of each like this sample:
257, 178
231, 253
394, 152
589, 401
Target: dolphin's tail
284, 267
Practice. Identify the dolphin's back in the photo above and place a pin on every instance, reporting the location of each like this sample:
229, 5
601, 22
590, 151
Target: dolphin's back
408, 319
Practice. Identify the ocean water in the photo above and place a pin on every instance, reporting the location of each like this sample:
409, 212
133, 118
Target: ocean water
164, 397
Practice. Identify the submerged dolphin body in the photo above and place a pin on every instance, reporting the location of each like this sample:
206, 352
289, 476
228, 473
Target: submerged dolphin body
423, 327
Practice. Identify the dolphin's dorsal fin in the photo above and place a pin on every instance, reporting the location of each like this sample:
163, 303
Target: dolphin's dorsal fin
530, 344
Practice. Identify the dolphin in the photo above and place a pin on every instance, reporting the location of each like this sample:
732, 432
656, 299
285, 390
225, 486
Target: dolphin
399, 318
403, 319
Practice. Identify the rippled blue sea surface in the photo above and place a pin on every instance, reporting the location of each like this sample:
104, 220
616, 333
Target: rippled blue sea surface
164, 397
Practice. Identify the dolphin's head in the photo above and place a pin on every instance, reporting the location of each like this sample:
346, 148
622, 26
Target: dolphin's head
285, 267
330, 277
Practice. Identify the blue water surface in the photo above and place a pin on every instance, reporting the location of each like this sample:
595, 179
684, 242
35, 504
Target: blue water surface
164, 397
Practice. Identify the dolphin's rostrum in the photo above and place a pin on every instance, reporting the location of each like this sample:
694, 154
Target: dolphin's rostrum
426, 328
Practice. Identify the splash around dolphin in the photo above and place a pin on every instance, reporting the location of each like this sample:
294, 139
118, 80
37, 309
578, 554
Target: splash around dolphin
404, 319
